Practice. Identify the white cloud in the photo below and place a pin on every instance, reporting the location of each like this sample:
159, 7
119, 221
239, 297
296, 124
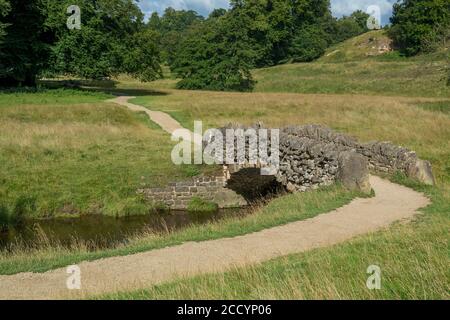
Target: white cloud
346, 7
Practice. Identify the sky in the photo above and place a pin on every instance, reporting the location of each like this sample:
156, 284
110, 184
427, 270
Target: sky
204, 7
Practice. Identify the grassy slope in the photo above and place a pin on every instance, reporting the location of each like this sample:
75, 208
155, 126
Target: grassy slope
346, 68
280, 211
359, 48
371, 76
71, 152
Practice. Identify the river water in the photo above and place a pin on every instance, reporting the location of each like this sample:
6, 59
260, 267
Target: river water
98, 231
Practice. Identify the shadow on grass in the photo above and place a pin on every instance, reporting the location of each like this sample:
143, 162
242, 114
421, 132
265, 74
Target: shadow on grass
105, 86
437, 106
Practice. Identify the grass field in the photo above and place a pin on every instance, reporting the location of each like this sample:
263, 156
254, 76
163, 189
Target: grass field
399, 100
80, 147
69, 153
346, 68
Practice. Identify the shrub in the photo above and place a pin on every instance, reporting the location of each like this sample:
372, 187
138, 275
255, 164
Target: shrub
199, 205
131, 206
308, 44
4, 217
420, 25
23, 207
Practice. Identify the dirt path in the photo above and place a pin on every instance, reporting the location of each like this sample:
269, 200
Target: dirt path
391, 203
162, 119
165, 121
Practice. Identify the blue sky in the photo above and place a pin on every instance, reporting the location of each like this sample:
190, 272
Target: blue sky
339, 7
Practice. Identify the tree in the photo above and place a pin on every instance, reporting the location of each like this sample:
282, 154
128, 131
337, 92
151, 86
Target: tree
25, 47
172, 27
154, 23
273, 25
349, 27
219, 53
215, 56
361, 18
112, 40
5, 7
420, 25
141, 57
308, 44
217, 13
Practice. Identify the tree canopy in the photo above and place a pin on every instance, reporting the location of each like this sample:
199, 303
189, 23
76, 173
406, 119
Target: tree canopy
4, 9
219, 52
420, 25
214, 53
215, 56
112, 40
24, 49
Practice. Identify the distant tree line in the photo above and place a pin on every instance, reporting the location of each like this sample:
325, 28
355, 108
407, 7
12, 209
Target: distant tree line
218, 52
215, 52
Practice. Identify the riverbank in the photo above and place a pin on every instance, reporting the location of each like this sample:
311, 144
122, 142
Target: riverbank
286, 209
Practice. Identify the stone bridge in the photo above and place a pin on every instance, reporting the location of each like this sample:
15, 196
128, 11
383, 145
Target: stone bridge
311, 156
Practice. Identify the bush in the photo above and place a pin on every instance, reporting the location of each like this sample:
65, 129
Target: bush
4, 217
131, 206
349, 27
308, 44
199, 205
23, 207
420, 25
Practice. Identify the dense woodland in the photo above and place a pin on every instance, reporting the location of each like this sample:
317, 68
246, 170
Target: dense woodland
216, 52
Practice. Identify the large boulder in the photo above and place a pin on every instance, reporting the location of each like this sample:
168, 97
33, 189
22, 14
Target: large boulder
421, 170
353, 171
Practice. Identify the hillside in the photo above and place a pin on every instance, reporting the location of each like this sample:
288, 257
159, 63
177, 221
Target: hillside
361, 65
370, 44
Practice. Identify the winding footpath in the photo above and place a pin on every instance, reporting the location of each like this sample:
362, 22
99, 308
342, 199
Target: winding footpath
391, 203
165, 121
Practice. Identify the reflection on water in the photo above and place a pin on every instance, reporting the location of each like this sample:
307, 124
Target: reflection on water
99, 231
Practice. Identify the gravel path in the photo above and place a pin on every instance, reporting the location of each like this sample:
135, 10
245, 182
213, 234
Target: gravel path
392, 203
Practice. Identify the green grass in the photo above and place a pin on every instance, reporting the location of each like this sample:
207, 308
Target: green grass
440, 106
413, 259
50, 96
356, 67
362, 47
370, 76
280, 211
74, 154
199, 205
349, 71
77, 165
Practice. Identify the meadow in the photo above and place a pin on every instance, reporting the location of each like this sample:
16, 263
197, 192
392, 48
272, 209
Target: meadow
405, 101
67, 153
75, 153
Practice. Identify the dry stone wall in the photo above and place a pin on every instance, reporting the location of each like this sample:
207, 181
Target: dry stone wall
382, 156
